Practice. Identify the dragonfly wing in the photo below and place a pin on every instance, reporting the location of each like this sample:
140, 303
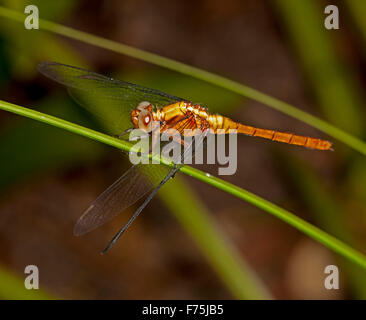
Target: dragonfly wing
134, 184
109, 99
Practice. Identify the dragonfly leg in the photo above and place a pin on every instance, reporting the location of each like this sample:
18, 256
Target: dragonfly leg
124, 132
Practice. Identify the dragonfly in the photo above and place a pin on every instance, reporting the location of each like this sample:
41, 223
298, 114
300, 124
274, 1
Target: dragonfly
131, 106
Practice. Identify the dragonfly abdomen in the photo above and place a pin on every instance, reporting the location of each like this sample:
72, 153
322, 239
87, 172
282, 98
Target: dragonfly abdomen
222, 125
199, 118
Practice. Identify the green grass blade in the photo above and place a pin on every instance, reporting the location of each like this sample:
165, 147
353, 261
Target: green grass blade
223, 82
286, 216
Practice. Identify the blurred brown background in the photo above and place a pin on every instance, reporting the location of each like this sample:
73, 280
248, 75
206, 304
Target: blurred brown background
48, 177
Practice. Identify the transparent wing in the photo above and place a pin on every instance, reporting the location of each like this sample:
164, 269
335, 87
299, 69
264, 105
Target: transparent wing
108, 99
111, 100
198, 139
134, 184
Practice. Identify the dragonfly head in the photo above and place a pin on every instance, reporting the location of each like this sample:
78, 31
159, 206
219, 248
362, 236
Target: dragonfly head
142, 117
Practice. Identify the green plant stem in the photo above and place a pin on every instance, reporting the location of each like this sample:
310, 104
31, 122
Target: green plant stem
223, 82
217, 248
286, 216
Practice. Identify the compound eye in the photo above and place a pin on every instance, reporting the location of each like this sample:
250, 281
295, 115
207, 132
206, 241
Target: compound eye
143, 105
145, 120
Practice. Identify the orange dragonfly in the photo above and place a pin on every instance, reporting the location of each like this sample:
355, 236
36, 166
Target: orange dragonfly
132, 106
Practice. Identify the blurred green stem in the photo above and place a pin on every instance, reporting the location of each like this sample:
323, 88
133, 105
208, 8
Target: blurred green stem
12, 288
223, 82
328, 211
337, 89
305, 227
225, 259
213, 243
